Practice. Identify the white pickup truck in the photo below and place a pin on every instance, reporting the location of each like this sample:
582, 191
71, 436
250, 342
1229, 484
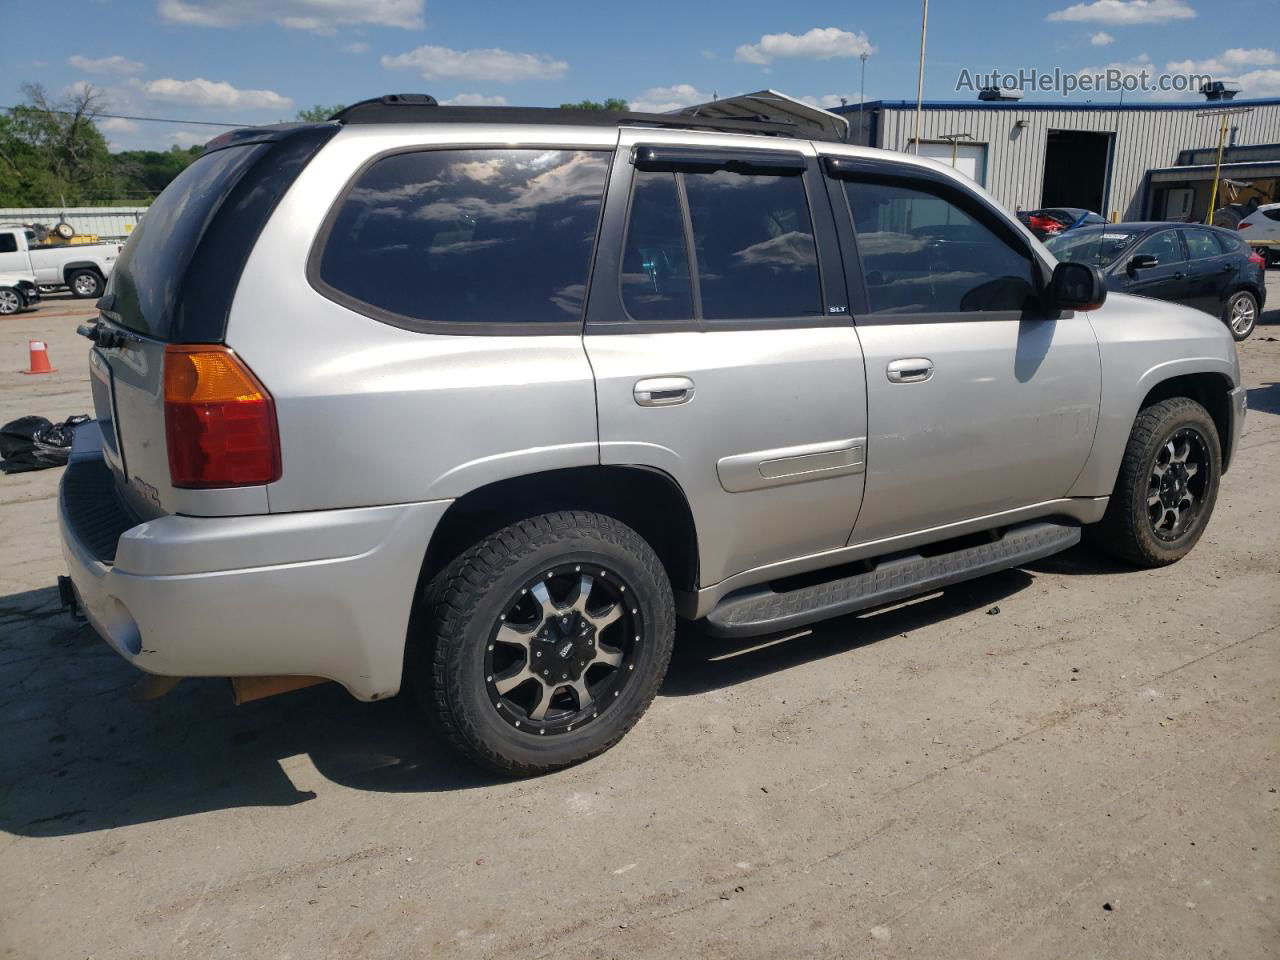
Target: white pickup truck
81, 268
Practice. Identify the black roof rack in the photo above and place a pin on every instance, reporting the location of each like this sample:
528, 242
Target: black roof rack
423, 108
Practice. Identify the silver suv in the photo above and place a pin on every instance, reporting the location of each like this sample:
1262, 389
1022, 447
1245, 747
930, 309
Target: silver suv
479, 400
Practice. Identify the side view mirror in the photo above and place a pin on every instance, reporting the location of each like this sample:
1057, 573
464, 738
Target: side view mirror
1077, 286
1142, 261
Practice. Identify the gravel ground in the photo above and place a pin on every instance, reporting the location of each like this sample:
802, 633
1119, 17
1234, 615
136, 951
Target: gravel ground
1089, 772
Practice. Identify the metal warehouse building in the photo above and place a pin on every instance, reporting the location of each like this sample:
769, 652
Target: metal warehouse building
1131, 161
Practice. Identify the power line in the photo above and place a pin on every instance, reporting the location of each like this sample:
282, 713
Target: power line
121, 116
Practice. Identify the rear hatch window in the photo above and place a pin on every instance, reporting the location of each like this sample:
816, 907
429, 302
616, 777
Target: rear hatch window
174, 284
145, 284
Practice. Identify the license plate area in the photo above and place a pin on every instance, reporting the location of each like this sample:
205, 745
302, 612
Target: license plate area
101, 383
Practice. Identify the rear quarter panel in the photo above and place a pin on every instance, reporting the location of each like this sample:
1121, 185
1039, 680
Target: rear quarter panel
372, 414
1143, 343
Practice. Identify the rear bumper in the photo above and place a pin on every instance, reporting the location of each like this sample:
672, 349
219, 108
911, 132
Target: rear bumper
322, 593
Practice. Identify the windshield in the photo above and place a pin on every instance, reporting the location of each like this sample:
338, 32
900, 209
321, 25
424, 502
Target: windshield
1098, 248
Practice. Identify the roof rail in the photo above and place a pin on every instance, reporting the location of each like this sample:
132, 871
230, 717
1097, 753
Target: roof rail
423, 108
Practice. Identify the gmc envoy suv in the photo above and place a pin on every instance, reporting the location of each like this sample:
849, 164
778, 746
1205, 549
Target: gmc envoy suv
479, 400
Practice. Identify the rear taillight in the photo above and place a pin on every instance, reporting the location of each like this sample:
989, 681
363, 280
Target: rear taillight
219, 421
1243, 225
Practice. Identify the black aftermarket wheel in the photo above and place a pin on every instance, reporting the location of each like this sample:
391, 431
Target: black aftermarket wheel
1167, 485
547, 641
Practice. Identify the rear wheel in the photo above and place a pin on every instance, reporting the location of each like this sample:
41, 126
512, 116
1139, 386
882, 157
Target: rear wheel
1167, 486
11, 301
85, 284
1241, 314
544, 642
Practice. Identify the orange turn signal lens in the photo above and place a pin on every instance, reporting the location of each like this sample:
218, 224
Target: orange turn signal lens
220, 422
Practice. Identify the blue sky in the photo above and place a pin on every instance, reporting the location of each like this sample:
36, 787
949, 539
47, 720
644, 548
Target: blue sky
256, 61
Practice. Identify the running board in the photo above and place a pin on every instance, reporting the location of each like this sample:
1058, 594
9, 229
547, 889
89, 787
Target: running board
763, 610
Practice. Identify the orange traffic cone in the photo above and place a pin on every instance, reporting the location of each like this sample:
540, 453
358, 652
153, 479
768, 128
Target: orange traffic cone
39, 362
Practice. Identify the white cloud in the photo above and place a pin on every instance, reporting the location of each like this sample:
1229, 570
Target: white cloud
820, 43
491, 66
189, 138
116, 125
1124, 12
318, 16
1228, 61
357, 47
827, 101
213, 93
121, 66
1230, 65
474, 100
1101, 39
1138, 65
666, 99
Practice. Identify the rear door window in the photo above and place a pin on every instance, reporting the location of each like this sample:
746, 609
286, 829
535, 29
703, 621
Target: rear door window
921, 253
1200, 244
8, 243
754, 243
655, 259
435, 239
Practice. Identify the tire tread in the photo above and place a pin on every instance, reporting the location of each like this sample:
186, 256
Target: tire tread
454, 594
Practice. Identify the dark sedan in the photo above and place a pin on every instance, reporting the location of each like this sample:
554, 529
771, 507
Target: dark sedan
1203, 267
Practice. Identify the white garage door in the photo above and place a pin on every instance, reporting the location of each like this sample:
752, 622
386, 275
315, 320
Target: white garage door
971, 158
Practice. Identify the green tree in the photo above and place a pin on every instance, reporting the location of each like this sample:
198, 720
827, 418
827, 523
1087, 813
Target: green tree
51, 151
145, 173
319, 113
613, 103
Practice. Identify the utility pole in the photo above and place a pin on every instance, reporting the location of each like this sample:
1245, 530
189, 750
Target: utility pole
862, 92
924, 26
1222, 139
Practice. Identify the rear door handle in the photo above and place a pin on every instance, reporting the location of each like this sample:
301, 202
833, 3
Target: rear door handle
912, 370
663, 391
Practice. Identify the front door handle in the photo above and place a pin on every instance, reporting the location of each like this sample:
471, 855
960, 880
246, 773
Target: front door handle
913, 370
1226, 268
663, 391
1179, 275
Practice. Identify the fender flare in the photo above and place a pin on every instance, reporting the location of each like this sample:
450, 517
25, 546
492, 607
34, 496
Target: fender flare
76, 265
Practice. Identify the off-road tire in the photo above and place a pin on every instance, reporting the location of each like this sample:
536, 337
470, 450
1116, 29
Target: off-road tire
84, 275
461, 609
1125, 530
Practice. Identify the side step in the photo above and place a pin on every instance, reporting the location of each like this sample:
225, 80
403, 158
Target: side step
763, 610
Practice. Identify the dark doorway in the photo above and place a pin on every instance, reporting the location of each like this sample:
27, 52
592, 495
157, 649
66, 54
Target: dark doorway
1076, 165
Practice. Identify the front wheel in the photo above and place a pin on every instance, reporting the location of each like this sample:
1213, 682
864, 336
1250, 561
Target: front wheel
1167, 486
1241, 314
85, 284
544, 642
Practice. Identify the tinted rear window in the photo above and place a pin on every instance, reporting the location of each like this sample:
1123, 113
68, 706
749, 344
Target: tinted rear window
489, 236
144, 286
1230, 243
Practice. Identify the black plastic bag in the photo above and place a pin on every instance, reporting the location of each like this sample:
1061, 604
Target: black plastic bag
34, 443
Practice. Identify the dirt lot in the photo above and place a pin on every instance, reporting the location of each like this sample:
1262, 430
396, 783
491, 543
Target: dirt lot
1091, 771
